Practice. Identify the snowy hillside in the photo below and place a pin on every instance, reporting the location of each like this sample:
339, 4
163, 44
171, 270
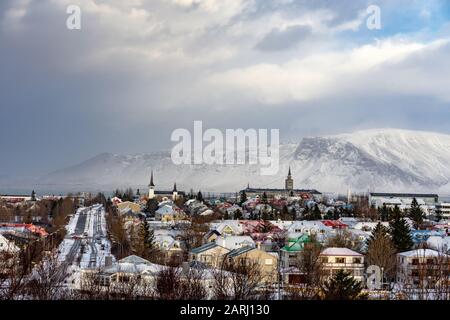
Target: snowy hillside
382, 160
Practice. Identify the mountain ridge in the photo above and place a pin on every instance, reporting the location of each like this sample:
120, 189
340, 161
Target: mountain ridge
375, 159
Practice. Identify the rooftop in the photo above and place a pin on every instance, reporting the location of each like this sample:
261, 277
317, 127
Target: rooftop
333, 251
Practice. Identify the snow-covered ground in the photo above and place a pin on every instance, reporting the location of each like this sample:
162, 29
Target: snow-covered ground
86, 244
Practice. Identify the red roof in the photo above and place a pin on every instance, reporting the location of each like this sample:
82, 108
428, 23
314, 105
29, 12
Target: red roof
28, 226
335, 224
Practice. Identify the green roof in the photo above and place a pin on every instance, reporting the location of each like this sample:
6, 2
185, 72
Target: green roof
298, 243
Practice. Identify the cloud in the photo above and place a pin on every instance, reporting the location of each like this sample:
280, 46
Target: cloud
372, 68
279, 39
141, 68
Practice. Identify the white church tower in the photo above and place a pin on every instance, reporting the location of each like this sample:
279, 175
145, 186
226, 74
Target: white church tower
151, 188
174, 192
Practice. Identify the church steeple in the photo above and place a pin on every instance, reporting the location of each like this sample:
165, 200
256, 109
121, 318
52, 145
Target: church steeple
289, 182
151, 180
174, 192
151, 188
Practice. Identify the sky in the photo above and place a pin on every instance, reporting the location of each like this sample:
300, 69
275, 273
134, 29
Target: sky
139, 69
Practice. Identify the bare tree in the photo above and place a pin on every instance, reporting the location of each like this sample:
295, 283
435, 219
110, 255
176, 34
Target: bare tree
344, 239
168, 284
311, 269
238, 278
46, 281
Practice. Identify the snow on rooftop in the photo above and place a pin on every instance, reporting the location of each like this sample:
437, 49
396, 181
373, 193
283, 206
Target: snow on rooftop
339, 252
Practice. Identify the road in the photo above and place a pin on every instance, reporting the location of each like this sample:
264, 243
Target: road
85, 245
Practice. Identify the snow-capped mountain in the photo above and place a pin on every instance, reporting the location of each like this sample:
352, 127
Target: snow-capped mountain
381, 160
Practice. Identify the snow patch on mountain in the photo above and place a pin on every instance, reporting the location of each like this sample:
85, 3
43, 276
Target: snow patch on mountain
379, 160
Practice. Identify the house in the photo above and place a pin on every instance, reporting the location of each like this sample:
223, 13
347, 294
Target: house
169, 213
421, 267
235, 242
211, 235
136, 271
369, 226
311, 228
334, 259
128, 206
170, 246
335, 224
8, 246
268, 262
229, 228
419, 236
210, 254
439, 243
290, 252
377, 199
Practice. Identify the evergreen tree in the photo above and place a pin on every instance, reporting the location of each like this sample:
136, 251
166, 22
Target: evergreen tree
336, 215
265, 214
381, 250
200, 196
416, 214
439, 216
225, 215
237, 214
317, 215
378, 231
293, 214
384, 213
342, 286
306, 214
400, 232
151, 206
264, 198
33, 196
147, 236
243, 198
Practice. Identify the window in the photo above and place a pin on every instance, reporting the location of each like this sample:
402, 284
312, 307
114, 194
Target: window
340, 260
357, 260
415, 261
324, 259
430, 261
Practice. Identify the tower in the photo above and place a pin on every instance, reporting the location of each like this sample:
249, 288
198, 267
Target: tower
289, 182
151, 188
174, 192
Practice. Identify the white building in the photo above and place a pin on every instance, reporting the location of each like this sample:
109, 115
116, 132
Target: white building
443, 208
334, 259
416, 267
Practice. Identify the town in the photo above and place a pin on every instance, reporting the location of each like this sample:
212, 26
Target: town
272, 244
